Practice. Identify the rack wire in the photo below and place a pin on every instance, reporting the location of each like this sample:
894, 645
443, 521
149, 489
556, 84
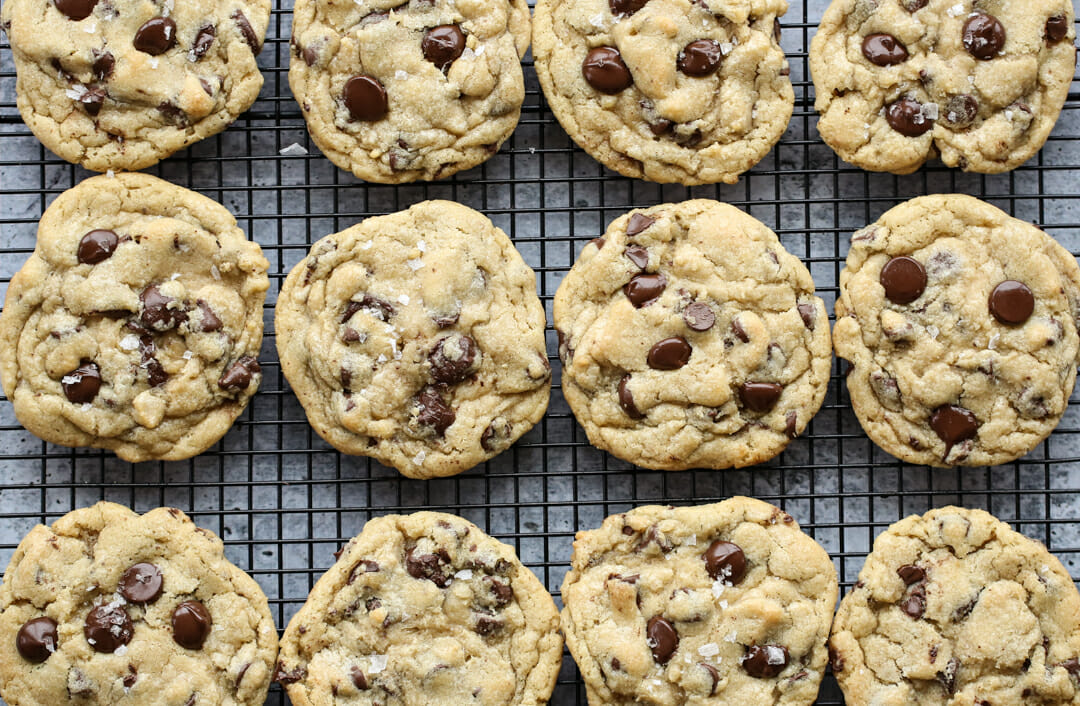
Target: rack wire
284, 501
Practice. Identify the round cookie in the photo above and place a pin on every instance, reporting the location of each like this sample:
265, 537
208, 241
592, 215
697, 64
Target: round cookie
980, 82
122, 84
399, 91
136, 323
955, 607
715, 604
107, 606
416, 338
960, 323
427, 606
684, 91
690, 338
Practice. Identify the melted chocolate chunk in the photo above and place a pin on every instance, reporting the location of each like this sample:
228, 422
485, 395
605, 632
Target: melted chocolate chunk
663, 640
669, 354
626, 399
37, 639
953, 424
907, 118
637, 255
699, 316
365, 98
961, 110
283, 675
432, 411
364, 566
433, 567
503, 592
141, 583
238, 375
984, 36
204, 38
486, 625
791, 424
644, 289
915, 603
713, 675
210, 322
442, 45
626, 7
81, 385
358, 679
884, 50
700, 57
496, 436
76, 9
1057, 28
156, 36
760, 396
191, 624
155, 373
104, 62
379, 308
947, 677
92, 99
904, 280
246, 31
604, 70
452, 359
638, 224
156, 313
739, 331
1012, 302
97, 246
108, 627
764, 661
808, 313
914, 5
909, 574
133, 676
725, 561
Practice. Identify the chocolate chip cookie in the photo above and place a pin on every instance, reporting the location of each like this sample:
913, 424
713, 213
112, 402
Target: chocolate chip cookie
955, 607
685, 91
690, 338
423, 609
122, 84
716, 604
136, 323
397, 91
979, 82
960, 323
107, 607
417, 339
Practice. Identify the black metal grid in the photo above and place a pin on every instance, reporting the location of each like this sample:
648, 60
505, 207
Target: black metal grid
284, 501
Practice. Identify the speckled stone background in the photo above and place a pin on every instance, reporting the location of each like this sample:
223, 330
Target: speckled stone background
284, 501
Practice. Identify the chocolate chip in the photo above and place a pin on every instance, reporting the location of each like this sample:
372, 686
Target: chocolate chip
643, 289
204, 38
141, 583
836, 660
626, 7
173, 113
103, 64
904, 279
156, 36
503, 592
884, 50
156, 312
725, 561
953, 424
1072, 666
984, 36
764, 661
210, 322
81, 385
663, 640
364, 566
76, 9
699, 316
238, 375
310, 56
598, 242
808, 312
358, 679
915, 603
914, 5
97, 246
107, 627
283, 675
605, 71
760, 396
777, 30
486, 625
91, 99
452, 358
365, 98
961, 110
496, 436
907, 118
1057, 28
1012, 302
246, 31
713, 675
432, 411
700, 57
37, 639
379, 308
739, 331
191, 624
155, 373
442, 45
133, 676
433, 567
909, 574
638, 224
637, 255
669, 354
791, 424
948, 676
626, 399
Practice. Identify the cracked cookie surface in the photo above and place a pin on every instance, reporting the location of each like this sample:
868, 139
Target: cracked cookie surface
122, 84
960, 323
685, 91
690, 338
136, 323
954, 607
416, 338
714, 604
423, 609
110, 607
979, 82
399, 91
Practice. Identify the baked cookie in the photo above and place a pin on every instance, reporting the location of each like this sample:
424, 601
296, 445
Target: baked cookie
396, 91
136, 323
110, 607
955, 607
979, 81
122, 84
690, 338
416, 338
960, 323
423, 609
716, 604
685, 91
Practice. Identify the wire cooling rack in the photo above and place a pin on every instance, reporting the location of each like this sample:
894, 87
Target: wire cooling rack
283, 500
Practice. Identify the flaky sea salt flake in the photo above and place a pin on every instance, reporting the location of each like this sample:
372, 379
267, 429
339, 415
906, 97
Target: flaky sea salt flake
710, 649
293, 150
378, 664
464, 574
